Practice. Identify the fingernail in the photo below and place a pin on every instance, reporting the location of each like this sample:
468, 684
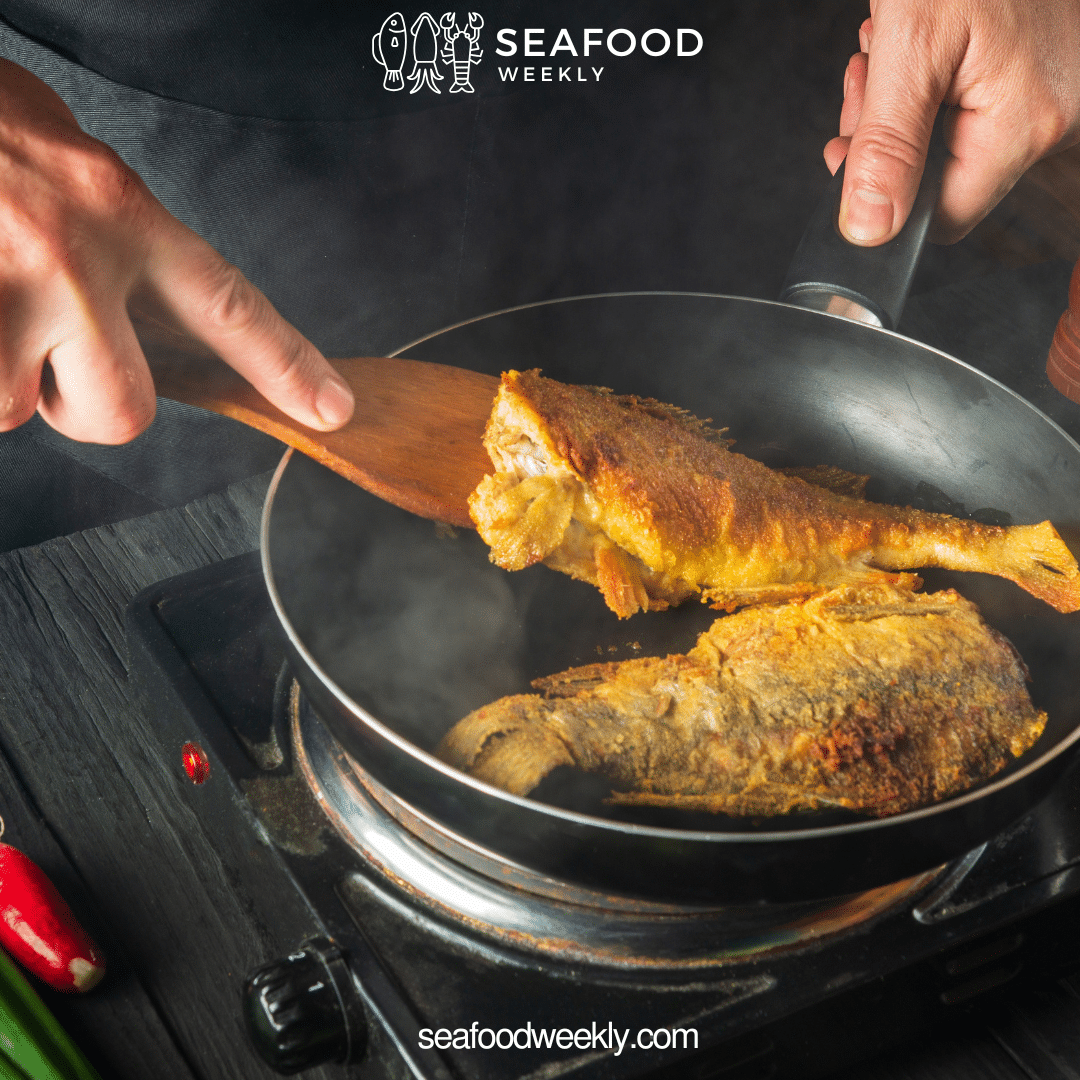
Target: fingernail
334, 402
868, 215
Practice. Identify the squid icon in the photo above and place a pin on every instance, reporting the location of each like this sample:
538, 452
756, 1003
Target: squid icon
460, 49
425, 48
390, 47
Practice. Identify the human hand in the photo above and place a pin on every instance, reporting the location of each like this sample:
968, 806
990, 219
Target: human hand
1010, 70
82, 242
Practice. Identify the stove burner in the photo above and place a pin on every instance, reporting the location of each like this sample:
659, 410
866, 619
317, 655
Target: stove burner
385, 923
458, 881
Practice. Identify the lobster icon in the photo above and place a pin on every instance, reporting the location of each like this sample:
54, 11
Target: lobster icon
460, 49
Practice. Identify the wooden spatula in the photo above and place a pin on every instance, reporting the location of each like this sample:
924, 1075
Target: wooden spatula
414, 439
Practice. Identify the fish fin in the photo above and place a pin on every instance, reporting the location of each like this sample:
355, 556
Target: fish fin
620, 581
831, 478
764, 799
728, 599
569, 683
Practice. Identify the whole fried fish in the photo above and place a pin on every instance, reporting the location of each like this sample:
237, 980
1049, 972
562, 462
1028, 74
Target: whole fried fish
649, 504
873, 698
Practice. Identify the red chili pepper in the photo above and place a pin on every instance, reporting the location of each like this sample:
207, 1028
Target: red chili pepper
41, 931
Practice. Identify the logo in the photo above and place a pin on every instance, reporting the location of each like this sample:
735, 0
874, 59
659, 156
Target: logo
455, 45
460, 49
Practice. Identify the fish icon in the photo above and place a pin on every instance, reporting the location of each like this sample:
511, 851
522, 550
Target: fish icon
390, 47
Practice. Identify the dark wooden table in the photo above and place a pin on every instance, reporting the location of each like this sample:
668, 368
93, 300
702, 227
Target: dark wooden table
83, 786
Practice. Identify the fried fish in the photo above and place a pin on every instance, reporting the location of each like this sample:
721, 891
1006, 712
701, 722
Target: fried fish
650, 504
873, 698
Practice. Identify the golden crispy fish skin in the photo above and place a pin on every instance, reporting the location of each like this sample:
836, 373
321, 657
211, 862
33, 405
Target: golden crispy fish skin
873, 698
649, 504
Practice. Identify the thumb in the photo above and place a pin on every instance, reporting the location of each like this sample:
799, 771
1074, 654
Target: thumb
904, 87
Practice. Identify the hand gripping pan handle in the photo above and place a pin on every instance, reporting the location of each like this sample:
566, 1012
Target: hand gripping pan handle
868, 284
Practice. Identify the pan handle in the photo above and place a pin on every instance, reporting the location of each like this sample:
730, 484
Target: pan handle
868, 284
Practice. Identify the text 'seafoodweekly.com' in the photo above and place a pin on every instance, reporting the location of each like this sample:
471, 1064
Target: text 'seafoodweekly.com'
595, 1037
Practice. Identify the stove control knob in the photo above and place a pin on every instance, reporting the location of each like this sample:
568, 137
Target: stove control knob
304, 1011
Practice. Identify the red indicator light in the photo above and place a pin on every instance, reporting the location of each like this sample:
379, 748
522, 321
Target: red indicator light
196, 763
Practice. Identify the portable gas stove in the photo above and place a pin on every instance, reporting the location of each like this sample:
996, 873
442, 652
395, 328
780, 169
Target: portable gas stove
418, 953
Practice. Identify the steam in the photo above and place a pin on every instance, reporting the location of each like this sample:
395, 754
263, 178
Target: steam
409, 618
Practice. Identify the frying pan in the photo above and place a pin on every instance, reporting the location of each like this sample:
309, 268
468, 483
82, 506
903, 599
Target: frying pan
398, 627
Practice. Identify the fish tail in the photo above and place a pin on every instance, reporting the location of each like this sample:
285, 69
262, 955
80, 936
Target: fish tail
1036, 558
1033, 556
509, 744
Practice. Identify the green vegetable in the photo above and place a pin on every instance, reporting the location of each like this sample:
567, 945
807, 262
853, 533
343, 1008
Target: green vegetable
33, 1046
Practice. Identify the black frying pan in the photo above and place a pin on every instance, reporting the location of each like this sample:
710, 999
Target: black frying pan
397, 628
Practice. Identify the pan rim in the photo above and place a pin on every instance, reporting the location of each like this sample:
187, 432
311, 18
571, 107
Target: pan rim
629, 828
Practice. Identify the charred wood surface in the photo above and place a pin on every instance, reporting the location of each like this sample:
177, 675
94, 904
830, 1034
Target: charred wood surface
84, 786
